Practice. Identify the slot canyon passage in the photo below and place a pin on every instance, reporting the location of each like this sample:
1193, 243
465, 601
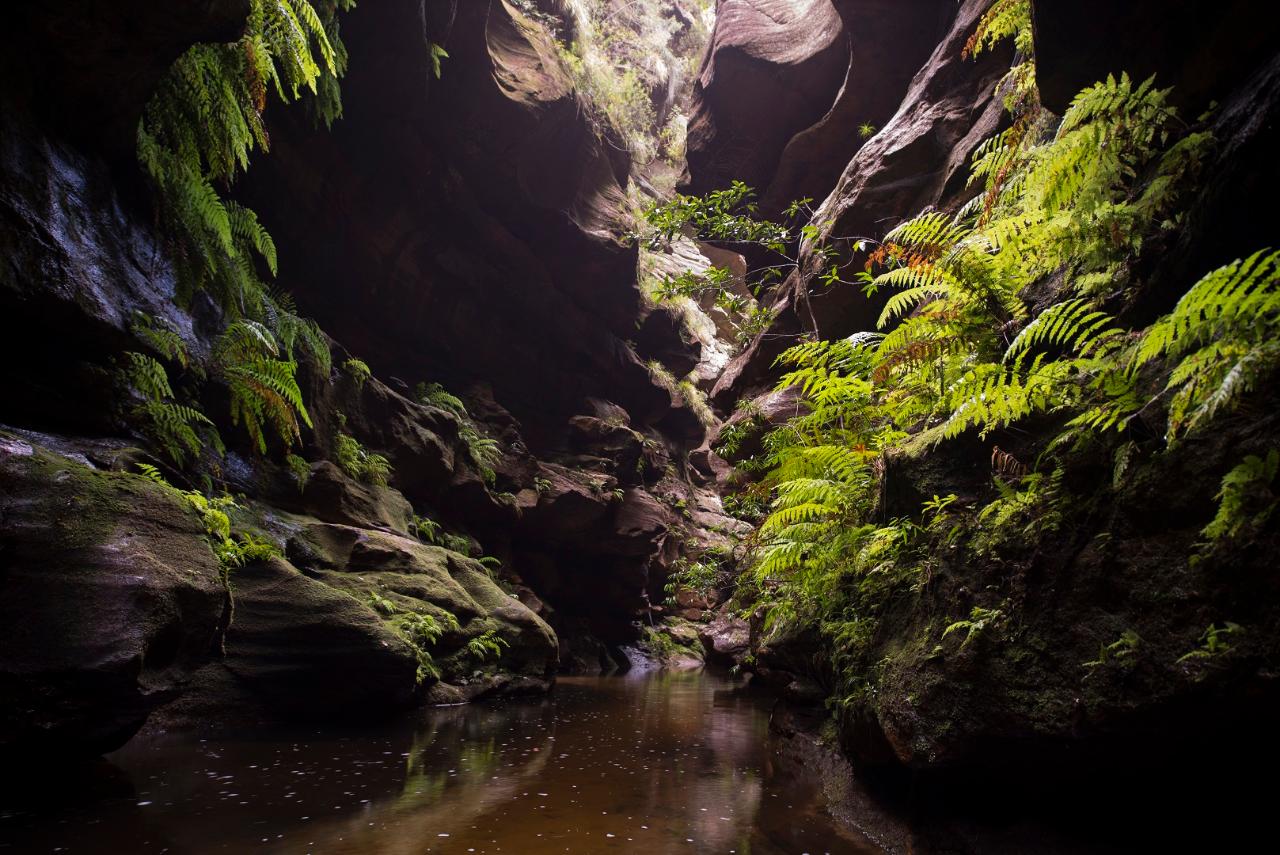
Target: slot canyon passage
726, 426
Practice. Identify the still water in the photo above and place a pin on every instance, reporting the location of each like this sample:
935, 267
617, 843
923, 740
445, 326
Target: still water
655, 763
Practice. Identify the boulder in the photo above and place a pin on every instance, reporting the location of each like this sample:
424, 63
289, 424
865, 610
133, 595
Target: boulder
109, 598
309, 649
332, 495
726, 638
565, 505
417, 577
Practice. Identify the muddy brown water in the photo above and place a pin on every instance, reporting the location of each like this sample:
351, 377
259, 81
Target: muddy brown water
653, 763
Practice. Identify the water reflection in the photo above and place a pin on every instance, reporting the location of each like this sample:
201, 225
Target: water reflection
657, 763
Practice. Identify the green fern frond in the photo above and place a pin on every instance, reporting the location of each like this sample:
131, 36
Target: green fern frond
1073, 325
930, 233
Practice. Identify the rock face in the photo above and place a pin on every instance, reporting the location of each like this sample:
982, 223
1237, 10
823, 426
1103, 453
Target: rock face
1022, 709
774, 58
481, 207
84, 275
888, 42
820, 71
109, 599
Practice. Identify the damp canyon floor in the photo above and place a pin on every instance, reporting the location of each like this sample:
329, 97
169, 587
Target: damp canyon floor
650, 763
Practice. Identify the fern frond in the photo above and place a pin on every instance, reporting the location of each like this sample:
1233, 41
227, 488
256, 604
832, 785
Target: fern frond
1073, 325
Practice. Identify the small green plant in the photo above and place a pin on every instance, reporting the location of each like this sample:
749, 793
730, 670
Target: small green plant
425, 529
215, 516
438, 54
866, 131
456, 543
358, 371
1122, 649
978, 622
483, 451
1215, 641
435, 395
422, 631
487, 645
264, 387
1246, 500
246, 549
381, 604
542, 485
357, 461
734, 434
703, 577
937, 506
299, 470
696, 400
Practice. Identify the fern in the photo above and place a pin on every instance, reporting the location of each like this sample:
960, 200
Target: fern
358, 371
181, 431
358, 462
1246, 500
1223, 335
199, 130
483, 451
1004, 20
264, 389
299, 470
437, 396
487, 645
160, 338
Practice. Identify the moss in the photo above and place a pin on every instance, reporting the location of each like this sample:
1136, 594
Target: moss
85, 505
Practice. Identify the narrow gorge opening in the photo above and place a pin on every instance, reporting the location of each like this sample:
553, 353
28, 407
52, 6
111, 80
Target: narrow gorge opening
535, 426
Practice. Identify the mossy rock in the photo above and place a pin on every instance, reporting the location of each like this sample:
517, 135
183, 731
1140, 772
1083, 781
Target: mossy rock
414, 577
310, 649
109, 598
